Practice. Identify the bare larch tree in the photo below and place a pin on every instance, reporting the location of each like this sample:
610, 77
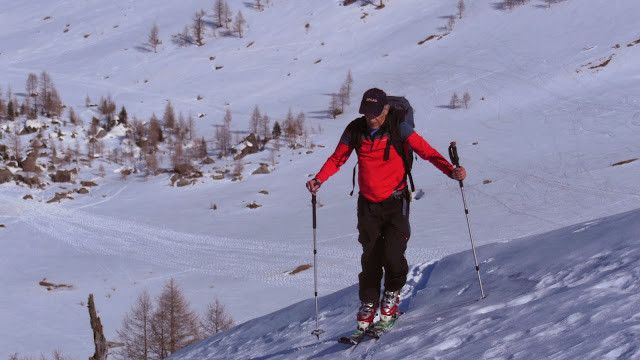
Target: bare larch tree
461, 8
238, 25
32, 91
264, 125
155, 131
220, 10
255, 120
466, 99
136, 330
153, 39
198, 27
216, 319
44, 96
223, 134
335, 106
169, 116
175, 325
453, 103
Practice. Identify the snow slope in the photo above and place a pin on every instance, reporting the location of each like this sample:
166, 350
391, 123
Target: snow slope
568, 294
538, 142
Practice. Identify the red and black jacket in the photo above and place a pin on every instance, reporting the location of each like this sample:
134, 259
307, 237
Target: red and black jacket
378, 178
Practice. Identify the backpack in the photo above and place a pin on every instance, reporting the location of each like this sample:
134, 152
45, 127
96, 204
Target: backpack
403, 112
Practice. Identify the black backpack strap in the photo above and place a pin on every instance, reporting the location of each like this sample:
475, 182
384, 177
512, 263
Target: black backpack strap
398, 143
395, 137
392, 126
387, 149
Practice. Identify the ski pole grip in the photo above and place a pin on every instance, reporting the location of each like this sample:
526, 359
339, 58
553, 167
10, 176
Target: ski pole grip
455, 160
313, 203
453, 154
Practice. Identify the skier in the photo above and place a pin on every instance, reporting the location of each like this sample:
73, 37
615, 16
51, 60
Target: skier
383, 202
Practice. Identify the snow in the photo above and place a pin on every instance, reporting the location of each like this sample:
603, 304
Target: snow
566, 294
33, 124
554, 223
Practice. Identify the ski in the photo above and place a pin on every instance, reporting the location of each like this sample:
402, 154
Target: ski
378, 329
374, 331
353, 339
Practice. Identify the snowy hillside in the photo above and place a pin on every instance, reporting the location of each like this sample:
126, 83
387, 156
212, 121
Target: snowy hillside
568, 294
554, 105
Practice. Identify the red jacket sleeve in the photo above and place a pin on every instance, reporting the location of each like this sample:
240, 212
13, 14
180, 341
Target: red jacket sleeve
421, 147
333, 163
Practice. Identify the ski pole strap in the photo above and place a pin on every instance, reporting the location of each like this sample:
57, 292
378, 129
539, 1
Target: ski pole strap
413, 187
353, 180
453, 154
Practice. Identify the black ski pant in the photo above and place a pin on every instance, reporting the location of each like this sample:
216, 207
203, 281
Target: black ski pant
384, 232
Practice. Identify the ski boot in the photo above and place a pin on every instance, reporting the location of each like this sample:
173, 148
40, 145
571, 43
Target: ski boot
366, 314
390, 301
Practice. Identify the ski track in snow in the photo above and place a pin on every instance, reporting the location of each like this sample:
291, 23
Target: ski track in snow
222, 256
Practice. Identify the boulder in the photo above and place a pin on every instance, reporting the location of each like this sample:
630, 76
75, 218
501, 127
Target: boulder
248, 145
184, 174
263, 169
183, 182
28, 130
208, 161
102, 133
58, 197
62, 176
37, 144
5, 175
184, 169
29, 164
30, 181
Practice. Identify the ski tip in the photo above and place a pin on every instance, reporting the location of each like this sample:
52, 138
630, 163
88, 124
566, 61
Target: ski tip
351, 340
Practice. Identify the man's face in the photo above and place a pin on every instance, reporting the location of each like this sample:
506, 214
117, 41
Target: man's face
375, 121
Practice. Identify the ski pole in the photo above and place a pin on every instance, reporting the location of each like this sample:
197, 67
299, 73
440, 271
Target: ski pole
317, 331
455, 160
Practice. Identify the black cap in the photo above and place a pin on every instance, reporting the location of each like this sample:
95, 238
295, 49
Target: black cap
373, 101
